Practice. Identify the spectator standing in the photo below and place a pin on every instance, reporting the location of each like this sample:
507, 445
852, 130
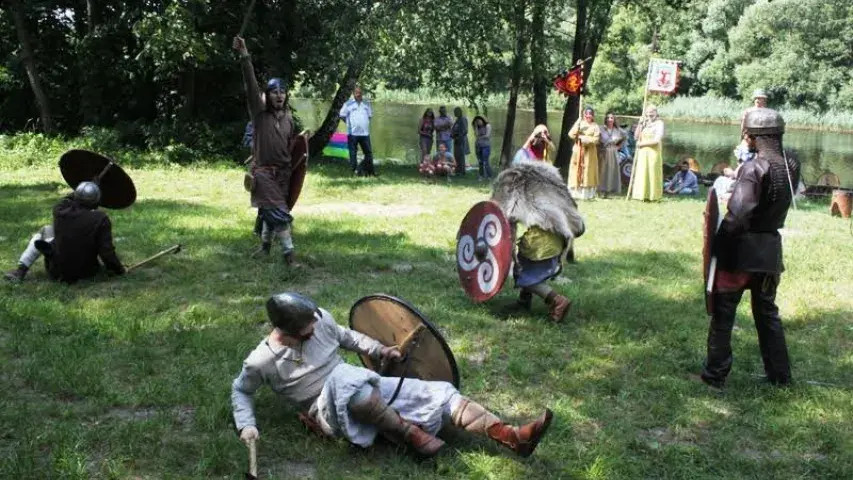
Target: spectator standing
461, 147
483, 146
425, 131
443, 124
357, 114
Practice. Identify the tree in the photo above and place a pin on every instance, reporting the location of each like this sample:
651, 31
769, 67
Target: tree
592, 17
29, 59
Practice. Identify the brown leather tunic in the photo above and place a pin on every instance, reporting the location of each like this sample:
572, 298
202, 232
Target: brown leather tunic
272, 138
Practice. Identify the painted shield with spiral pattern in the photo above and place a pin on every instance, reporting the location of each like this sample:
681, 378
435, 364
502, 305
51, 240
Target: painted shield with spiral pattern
483, 251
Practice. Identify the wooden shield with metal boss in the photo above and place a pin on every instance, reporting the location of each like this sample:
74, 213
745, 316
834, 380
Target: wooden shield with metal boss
117, 188
483, 251
709, 261
299, 160
395, 322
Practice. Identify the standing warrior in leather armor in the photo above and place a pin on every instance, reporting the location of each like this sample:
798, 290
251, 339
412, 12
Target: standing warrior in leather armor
271, 141
300, 361
80, 234
749, 251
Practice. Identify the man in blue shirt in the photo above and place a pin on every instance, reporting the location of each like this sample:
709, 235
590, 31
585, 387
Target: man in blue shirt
684, 182
357, 114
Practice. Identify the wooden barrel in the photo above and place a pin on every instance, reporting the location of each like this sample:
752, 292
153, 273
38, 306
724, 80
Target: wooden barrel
842, 203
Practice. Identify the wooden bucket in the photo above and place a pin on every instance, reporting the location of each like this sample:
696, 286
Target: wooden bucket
842, 203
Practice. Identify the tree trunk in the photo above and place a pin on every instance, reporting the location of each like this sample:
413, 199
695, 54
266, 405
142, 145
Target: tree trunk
91, 85
30, 66
188, 109
92, 16
515, 82
537, 60
347, 84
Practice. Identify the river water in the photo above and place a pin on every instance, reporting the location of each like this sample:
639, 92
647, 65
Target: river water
394, 137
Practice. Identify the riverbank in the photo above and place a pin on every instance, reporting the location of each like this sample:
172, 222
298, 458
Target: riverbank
694, 109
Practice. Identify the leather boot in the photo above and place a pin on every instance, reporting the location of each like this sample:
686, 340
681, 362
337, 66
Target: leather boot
375, 411
17, 275
263, 251
523, 440
560, 306
525, 299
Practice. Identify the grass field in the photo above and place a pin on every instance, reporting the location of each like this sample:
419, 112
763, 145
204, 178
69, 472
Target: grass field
130, 377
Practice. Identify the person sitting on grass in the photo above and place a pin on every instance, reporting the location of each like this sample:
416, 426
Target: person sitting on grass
442, 163
300, 360
684, 182
79, 236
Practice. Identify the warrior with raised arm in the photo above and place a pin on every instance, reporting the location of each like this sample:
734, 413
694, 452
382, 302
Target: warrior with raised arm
273, 134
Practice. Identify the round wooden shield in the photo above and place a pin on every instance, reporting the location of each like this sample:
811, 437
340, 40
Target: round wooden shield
483, 251
392, 321
299, 160
117, 188
712, 222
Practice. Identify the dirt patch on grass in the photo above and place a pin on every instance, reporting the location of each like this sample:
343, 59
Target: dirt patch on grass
659, 437
287, 470
183, 415
364, 209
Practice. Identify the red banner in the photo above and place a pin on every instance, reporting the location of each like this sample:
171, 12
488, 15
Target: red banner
570, 82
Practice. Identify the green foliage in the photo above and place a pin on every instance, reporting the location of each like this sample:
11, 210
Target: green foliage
799, 50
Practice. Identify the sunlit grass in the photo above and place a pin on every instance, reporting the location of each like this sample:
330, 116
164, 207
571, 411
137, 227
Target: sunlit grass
130, 378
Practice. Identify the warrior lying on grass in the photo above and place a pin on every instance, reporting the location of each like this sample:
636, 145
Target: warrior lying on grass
534, 194
300, 361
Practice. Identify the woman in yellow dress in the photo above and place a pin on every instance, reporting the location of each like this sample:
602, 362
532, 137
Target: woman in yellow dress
648, 167
583, 171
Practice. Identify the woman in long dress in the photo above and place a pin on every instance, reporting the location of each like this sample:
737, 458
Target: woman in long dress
648, 169
583, 171
609, 174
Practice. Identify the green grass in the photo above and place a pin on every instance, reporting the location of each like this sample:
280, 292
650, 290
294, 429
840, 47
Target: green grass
130, 378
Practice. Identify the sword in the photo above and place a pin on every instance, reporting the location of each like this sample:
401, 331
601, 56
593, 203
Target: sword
246, 18
172, 249
252, 474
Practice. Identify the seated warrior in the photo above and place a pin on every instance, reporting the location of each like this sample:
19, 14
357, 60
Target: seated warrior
441, 165
535, 195
300, 361
80, 234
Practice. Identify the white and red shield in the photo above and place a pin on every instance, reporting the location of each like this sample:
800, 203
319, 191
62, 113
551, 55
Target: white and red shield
483, 251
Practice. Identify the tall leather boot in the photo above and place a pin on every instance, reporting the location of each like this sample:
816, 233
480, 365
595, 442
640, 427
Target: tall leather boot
18, 274
559, 306
522, 440
374, 411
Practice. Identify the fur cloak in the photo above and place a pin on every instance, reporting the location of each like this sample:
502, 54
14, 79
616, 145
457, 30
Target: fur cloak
535, 194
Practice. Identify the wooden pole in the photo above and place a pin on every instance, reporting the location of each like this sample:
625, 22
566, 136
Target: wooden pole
642, 119
173, 248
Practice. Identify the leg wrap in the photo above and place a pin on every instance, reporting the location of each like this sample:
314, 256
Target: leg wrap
367, 406
31, 254
542, 290
266, 233
473, 417
286, 237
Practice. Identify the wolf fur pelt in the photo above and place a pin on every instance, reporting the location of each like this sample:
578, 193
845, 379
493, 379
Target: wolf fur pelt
534, 193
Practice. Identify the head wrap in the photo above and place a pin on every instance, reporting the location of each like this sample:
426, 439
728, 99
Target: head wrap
276, 84
759, 93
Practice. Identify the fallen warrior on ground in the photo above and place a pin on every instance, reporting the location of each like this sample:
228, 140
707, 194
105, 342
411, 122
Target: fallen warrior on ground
300, 361
80, 233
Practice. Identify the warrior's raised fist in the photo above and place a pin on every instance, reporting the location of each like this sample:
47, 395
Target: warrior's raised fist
240, 44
